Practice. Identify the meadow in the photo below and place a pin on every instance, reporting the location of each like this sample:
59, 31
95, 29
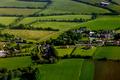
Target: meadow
109, 52
15, 62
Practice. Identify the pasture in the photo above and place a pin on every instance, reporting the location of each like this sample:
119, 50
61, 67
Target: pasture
69, 69
15, 62
109, 52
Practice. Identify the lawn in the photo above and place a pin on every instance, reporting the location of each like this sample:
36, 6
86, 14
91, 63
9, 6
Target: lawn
103, 22
63, 51
15, 62
110, 52
30, 34
69, 69
16, 11
83, 52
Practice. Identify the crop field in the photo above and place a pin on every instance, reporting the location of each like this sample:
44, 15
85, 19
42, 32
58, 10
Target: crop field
16, 11
62, 17
81, 51
64, 51
7, 20
69, 69
106, 23
108, 70
15, 62
77, 8
29, 34
18, 3
108, 52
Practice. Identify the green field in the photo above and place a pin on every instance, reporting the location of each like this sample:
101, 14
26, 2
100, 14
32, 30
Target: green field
15, 62
82, 52
62, 17
69, 69
29, 34
16, 11
107, 52
63, 51
7, 20
103, 22
18, 3
87, 71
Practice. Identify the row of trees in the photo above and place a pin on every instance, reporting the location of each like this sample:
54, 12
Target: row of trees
22, 26
28, 73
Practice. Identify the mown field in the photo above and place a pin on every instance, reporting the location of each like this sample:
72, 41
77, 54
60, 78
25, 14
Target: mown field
15, 62
111, 52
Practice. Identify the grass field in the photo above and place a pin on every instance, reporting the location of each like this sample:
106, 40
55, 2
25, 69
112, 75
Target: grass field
62, 17
105, 22
62, 52
15, 62
107, 70
7, 20
108, 52
83, 52
15, 11
87, 71
69, 69
29, 34
18, 3
78, 8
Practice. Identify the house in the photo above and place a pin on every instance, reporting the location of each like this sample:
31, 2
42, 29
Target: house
104, 4
3, 53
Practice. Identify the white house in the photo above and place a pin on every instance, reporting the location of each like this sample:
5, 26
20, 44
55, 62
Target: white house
3, 53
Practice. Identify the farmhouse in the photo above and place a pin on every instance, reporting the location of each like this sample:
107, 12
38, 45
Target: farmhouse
3, 53
104, 3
